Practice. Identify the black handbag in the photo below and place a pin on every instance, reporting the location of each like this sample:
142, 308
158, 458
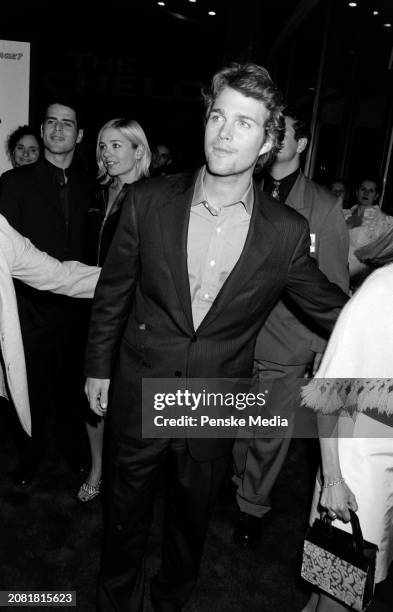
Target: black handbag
340, 564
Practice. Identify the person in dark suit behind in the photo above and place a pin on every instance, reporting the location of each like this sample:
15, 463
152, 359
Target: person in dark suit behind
48, 202
195, 266
287, 344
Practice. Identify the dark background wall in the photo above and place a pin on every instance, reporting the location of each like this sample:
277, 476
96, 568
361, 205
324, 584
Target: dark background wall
139, 59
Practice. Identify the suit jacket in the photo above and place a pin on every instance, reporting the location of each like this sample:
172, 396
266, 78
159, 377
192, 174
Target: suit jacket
289, 336
21, 260
141, 323
30, 201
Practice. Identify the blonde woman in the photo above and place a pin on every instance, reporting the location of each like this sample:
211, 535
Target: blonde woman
123, 157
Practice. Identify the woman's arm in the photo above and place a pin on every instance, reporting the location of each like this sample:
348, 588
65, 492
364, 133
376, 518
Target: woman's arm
336, 496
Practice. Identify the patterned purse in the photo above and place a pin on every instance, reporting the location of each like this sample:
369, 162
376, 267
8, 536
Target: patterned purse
340, 564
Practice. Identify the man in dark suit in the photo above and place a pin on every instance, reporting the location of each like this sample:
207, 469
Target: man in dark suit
195, 267
48, 201
287, 345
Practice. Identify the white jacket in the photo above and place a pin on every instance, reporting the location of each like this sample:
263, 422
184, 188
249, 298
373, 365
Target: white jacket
20, 259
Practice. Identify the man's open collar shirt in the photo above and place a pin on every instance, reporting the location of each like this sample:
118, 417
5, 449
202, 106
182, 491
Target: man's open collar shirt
216, 237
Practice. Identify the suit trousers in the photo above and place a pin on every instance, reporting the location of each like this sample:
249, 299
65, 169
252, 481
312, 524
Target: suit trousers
258, 461
133, 470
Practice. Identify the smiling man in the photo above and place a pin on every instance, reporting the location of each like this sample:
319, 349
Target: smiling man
48, 202
194, 269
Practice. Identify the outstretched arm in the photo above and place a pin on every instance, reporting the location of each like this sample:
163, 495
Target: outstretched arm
309, 288
40, 270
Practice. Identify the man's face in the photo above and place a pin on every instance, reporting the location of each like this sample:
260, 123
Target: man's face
60, 131
235, 134
367, 193
290, 147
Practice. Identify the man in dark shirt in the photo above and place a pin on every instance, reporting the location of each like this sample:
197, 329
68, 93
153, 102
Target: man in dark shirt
48, 202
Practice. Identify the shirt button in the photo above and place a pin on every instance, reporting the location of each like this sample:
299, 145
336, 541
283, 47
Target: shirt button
178, 373
212, 263
206, 296
194, 338
218, 230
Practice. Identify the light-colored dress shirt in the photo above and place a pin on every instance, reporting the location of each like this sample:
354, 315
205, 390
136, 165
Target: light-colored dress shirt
216, 238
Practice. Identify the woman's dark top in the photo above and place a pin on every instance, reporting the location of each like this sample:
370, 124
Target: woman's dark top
100, 226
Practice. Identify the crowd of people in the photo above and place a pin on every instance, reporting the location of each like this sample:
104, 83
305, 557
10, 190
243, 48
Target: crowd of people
221, 273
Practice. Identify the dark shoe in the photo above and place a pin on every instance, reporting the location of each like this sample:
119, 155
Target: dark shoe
247, 530
25, 473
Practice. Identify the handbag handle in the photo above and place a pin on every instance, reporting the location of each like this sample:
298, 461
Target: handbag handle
357, 535
357, 540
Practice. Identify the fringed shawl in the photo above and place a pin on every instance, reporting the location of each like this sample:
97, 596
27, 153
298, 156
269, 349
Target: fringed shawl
356, 372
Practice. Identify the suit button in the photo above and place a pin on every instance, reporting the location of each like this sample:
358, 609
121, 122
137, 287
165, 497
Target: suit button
194, 338
178, 373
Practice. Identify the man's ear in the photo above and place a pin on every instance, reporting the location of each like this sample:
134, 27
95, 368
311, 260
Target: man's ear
79, 137
266, 147
42, 130
301, 145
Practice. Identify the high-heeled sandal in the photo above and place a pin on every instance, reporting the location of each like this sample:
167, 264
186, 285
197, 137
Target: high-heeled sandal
88, 492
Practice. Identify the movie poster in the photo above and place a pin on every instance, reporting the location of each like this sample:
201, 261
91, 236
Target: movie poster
14, 92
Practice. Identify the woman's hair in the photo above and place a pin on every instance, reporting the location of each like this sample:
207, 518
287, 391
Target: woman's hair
16, 135
135, 134
252, 81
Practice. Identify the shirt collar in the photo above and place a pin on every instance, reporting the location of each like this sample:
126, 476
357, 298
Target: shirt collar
56, 170
289, 178
199, 196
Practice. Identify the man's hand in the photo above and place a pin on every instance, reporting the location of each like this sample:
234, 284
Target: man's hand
96, 390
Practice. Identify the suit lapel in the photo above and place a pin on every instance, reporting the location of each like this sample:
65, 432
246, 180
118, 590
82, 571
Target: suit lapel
174, 218
261, 237
296, 198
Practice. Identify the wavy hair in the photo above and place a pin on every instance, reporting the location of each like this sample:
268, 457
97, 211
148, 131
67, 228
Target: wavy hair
252, 81
16, 135
132, 130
